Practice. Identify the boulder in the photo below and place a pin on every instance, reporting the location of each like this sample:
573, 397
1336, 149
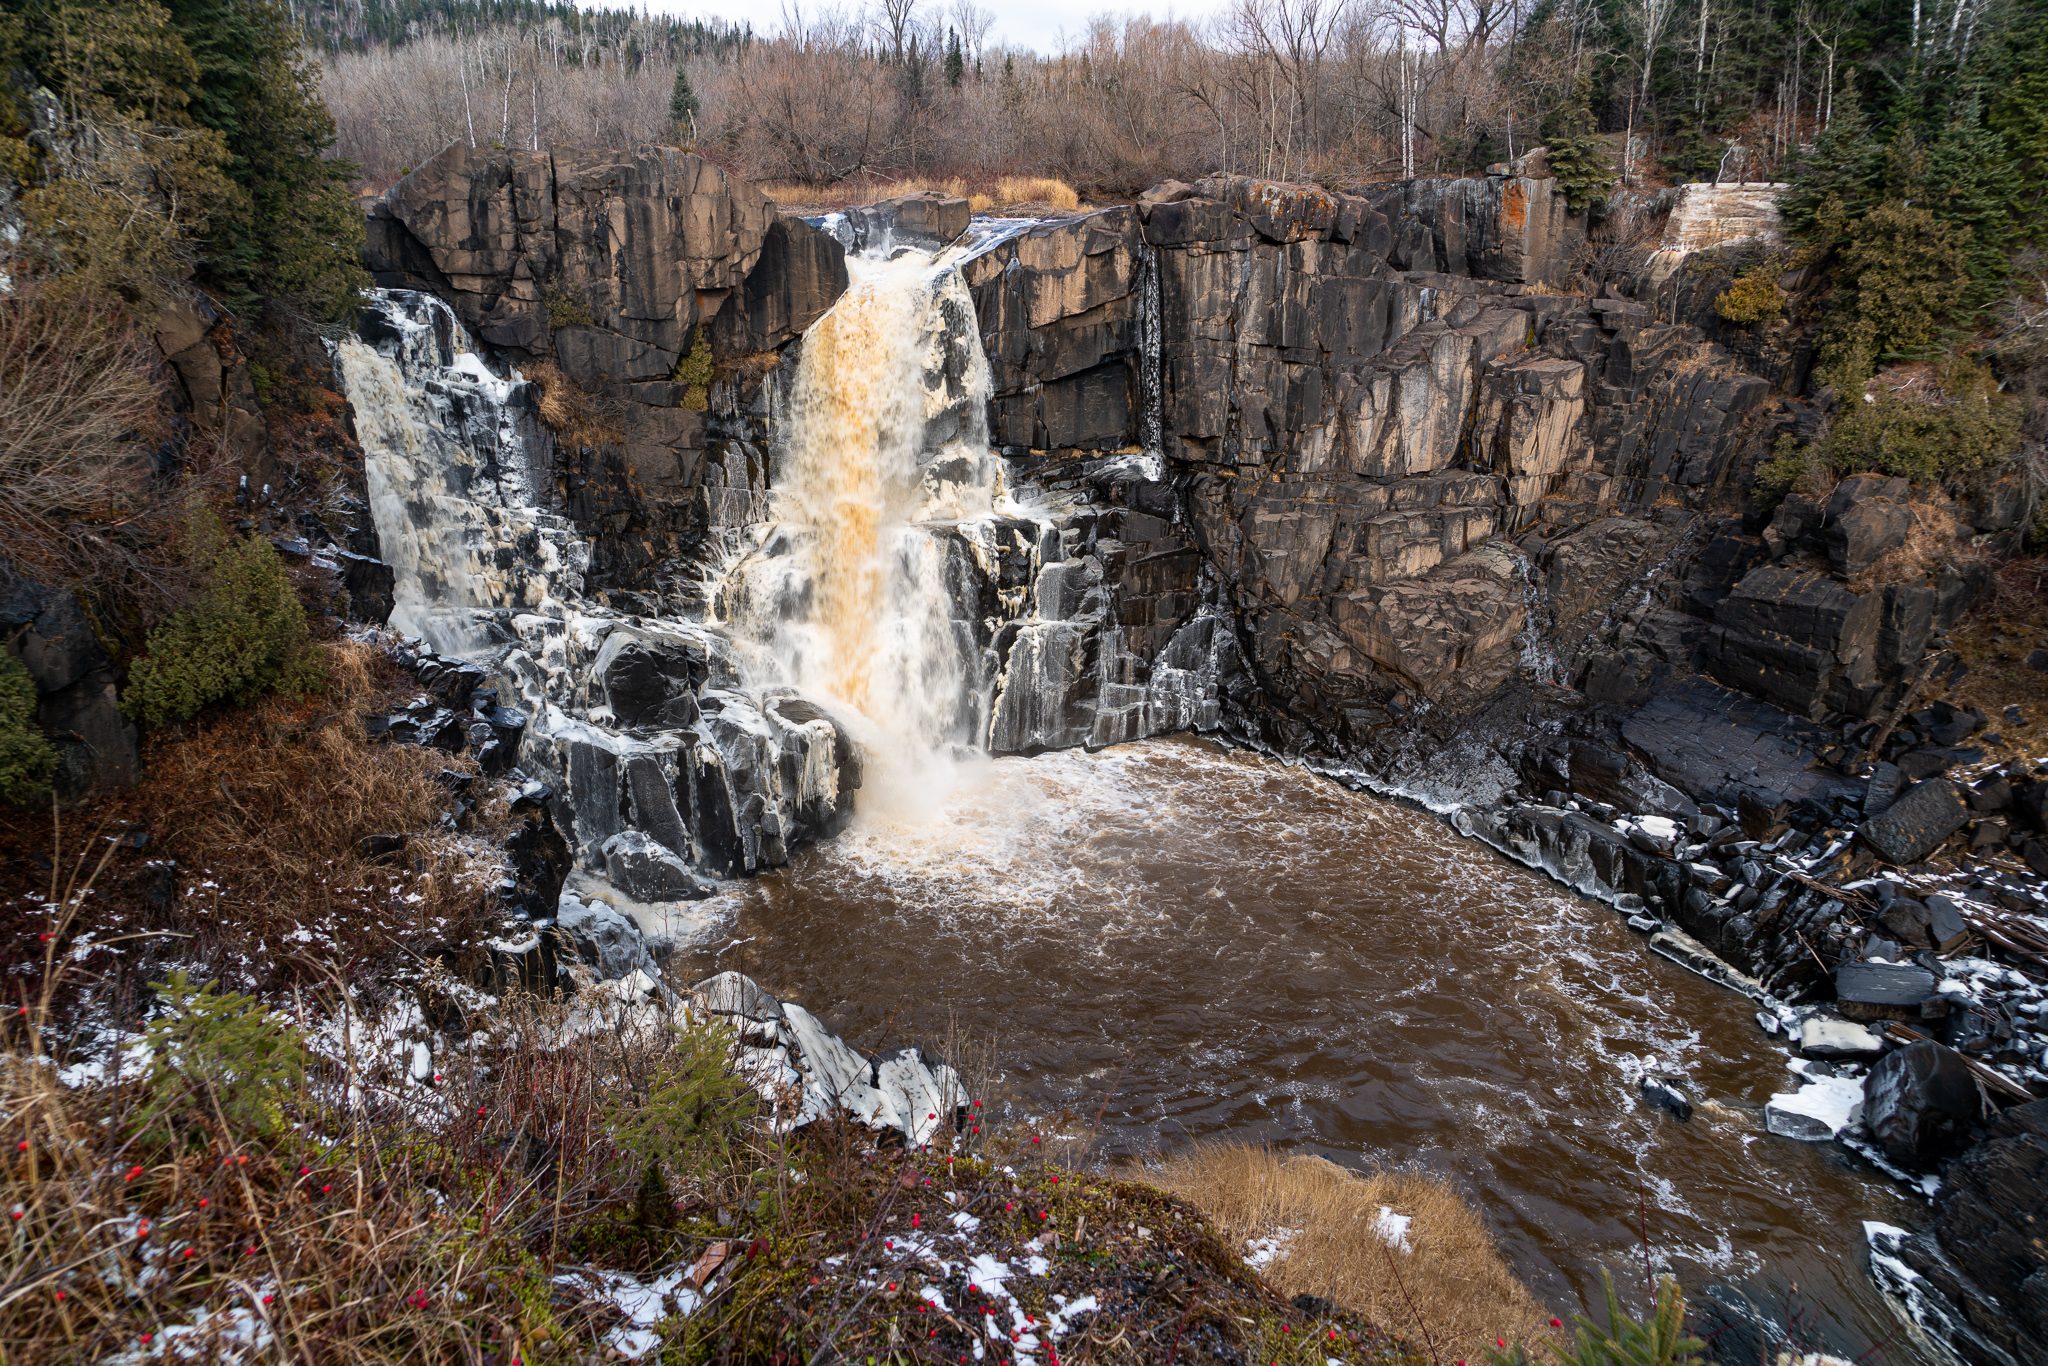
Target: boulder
606, 939
648, 871
1821, 1036
928, 219
1876, 990
1921, 1103
77, 706
1915, 825
1989, 1218
1866, 520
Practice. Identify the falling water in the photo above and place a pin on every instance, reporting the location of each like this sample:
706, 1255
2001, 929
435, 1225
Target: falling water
885, 453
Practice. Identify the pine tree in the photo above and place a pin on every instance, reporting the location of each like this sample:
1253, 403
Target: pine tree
2018, 110
956, 62
1969, 177
1576, 156
682, 103
1844, 168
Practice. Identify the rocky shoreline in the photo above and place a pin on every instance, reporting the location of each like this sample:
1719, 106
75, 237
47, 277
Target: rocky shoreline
1352, 479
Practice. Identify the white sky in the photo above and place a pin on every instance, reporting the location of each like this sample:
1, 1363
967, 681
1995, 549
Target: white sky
1041, 24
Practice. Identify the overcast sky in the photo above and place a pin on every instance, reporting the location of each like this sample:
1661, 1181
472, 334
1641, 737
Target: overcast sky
1041, 24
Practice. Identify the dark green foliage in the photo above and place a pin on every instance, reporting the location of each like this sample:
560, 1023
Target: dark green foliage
295, 236
956, 64
682, 102
26, 757
217, 1061
1948, 431
1844, 168
244, 634
1902, 281
211, 106
2018, 111
1577, 158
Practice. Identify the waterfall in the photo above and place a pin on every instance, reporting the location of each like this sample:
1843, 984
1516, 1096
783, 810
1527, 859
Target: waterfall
450, 466
1538, 659
883, 466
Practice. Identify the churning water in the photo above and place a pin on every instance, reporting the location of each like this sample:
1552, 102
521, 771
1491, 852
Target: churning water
1193, 942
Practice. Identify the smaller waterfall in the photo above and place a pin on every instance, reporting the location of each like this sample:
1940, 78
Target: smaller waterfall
452, 475
1539, 661
663, 764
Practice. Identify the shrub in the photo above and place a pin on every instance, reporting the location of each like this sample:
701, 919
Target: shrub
1791, 466
27, 759
1901, 274
214, 1056
75, 388
687, 1113
244, 635
693, 372
566, 308
1660, 1340
1958, 426
1752, 297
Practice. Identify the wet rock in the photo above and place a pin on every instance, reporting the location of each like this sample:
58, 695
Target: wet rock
732, 993
1916, 824
1988, 1220
1946, 928
647, 871
1666, 1094
927, 219
608, 940
1876, 990
1920, 1104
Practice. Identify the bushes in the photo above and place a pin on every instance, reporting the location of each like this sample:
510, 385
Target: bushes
244, 635
1752, 297
27, 759
693, 372
1958, 425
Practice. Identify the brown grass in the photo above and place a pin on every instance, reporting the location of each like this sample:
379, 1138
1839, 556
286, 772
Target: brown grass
1452, 1291
577, 417
1994, 641
982, 195
262, 813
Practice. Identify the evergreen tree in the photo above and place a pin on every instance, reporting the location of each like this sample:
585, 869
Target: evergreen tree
1969, 177
1576, 157
682, 103
956, 62
1844, 169
2018, 111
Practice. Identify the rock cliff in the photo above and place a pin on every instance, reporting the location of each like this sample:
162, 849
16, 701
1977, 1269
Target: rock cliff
658, 286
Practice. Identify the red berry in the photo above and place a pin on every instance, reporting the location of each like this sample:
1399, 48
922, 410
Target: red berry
22, 1146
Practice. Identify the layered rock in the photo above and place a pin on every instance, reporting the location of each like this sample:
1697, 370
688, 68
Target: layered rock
660, 288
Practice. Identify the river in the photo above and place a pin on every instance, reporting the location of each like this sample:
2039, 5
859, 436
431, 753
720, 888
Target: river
1189, 942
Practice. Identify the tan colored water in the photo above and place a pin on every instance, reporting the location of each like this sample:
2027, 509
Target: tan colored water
1198, 942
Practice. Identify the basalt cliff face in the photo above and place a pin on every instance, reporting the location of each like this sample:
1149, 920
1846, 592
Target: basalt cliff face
1370, 437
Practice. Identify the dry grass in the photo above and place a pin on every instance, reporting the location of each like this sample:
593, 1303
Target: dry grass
1030, 193
1452, 1291
1994, 640
246, 841
577, 417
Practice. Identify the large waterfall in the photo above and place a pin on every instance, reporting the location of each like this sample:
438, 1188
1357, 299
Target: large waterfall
883, 468
897, 612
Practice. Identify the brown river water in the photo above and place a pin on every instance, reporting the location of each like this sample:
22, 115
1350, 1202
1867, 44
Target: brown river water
1198, 942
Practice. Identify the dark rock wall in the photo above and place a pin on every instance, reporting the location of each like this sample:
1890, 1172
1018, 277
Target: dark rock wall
662, 289
1361, 403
